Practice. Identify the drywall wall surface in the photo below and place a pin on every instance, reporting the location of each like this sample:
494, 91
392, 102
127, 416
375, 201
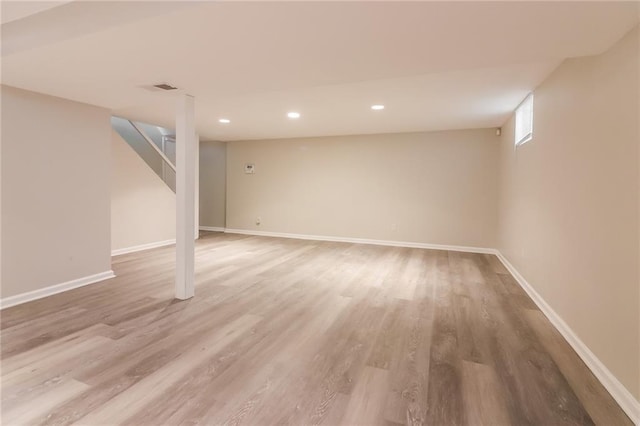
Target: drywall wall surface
143, 207
213, 188
569, 203
435, 188
55, 191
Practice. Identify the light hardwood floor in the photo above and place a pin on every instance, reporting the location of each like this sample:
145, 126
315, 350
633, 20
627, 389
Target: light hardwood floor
296, 332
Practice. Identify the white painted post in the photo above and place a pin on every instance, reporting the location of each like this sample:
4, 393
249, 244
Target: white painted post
197, 188
185, 197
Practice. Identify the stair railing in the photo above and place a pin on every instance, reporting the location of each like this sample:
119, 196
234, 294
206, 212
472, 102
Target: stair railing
153, 145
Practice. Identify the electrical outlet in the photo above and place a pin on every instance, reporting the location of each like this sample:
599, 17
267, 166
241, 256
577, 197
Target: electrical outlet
258, 220
394, 227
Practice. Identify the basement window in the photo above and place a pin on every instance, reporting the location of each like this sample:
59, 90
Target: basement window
524, 121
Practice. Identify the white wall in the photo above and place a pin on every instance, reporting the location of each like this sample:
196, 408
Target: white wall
55, 191
569, 203
213, 188
143, 207
435, 188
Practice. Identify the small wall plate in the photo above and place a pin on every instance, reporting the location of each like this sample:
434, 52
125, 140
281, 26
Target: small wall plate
249, 168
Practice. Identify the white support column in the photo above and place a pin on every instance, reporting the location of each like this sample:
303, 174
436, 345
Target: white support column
185, 197
197, 188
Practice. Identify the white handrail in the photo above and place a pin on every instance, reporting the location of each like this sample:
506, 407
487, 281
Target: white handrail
153, 145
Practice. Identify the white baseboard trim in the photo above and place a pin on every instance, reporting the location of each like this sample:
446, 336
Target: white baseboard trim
617, 390
54, 289
213, 228
361, 241
141, 247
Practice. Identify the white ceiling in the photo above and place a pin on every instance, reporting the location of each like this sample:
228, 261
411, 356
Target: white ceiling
434, 65
21, 9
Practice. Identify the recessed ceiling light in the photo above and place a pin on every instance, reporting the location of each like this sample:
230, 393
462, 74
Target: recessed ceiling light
224, 121
293, 114
377, 107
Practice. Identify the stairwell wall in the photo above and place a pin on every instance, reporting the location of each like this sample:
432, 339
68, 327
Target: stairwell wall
143, 207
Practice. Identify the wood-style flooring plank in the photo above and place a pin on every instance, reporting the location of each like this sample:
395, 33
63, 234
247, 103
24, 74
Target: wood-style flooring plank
285, 331
28, 412
483, 396
123, 407
366, 404
599, 404
444, 395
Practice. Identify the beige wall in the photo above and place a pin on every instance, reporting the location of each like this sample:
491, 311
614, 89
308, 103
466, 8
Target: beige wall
436, 188
213, 188
569, 203
55, 191
143, 207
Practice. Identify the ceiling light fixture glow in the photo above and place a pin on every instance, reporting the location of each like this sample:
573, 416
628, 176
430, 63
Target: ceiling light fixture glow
224, 121
377, 107
293, 114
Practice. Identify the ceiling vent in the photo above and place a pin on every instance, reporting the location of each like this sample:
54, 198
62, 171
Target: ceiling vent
164, 86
